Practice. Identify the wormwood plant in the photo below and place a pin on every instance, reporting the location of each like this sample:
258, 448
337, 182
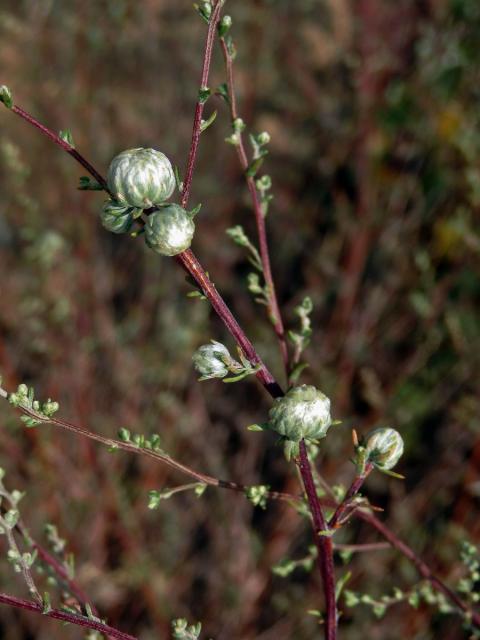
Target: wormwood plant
141, 187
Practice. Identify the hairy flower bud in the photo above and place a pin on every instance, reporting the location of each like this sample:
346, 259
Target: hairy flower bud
116, 217
304, 412
141, 178
170, 230
384, 447
211, 360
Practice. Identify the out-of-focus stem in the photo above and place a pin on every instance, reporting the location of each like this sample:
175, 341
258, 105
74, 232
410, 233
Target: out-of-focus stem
273, 307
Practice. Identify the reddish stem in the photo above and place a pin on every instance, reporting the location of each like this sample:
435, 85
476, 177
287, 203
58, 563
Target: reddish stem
323, 542
274, 309
190, 263
64, 145
57, 614
197, 119
355, 487
422, 568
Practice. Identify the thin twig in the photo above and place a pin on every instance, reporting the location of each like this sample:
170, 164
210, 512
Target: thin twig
336, 520
64, 145
57, 614
197, 119
422, 568
273, 307
114, 445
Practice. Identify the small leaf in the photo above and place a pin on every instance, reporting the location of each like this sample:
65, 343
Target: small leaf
222, 91
206, 123
6, 96
66, 136
203, 94
297, 371
87, 184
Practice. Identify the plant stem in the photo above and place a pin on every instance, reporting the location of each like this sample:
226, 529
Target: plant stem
323, 542
71, 618
335, 520
190, 263
64, 145
273, 307
197, 119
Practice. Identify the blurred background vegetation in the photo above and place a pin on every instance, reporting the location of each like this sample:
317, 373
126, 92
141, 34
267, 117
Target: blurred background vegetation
373, 109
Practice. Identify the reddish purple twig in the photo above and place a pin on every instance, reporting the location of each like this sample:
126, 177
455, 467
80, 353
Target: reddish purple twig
64, 145
57, 614
274, 309
323, 542
335, 520
197, 120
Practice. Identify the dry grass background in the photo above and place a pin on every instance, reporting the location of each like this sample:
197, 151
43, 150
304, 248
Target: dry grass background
371, 108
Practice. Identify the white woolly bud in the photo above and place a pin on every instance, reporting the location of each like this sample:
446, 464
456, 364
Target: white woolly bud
212, 360
384, 447
141, 178
169, 231
304, 412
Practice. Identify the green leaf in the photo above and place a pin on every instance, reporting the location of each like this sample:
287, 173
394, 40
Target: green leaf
222, 91
297, 371
253, 167
66, 136
87, 184
206, 123
203, 94
6, 96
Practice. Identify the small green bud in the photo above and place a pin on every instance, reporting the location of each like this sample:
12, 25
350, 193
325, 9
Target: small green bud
384, 448
124, 434
169, 231
264, 183
212, 360
263, 138
224, 25
116, 217
141, 178
304, 412
11, 518
50, 407
6, 96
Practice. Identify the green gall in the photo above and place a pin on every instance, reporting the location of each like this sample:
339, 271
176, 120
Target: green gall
212, 360
169, 231
6, 96
116, 217
141, 178
304, 412
384, 448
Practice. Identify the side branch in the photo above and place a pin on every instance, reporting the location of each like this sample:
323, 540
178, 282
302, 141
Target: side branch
197, 119
274, 309
71, 618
